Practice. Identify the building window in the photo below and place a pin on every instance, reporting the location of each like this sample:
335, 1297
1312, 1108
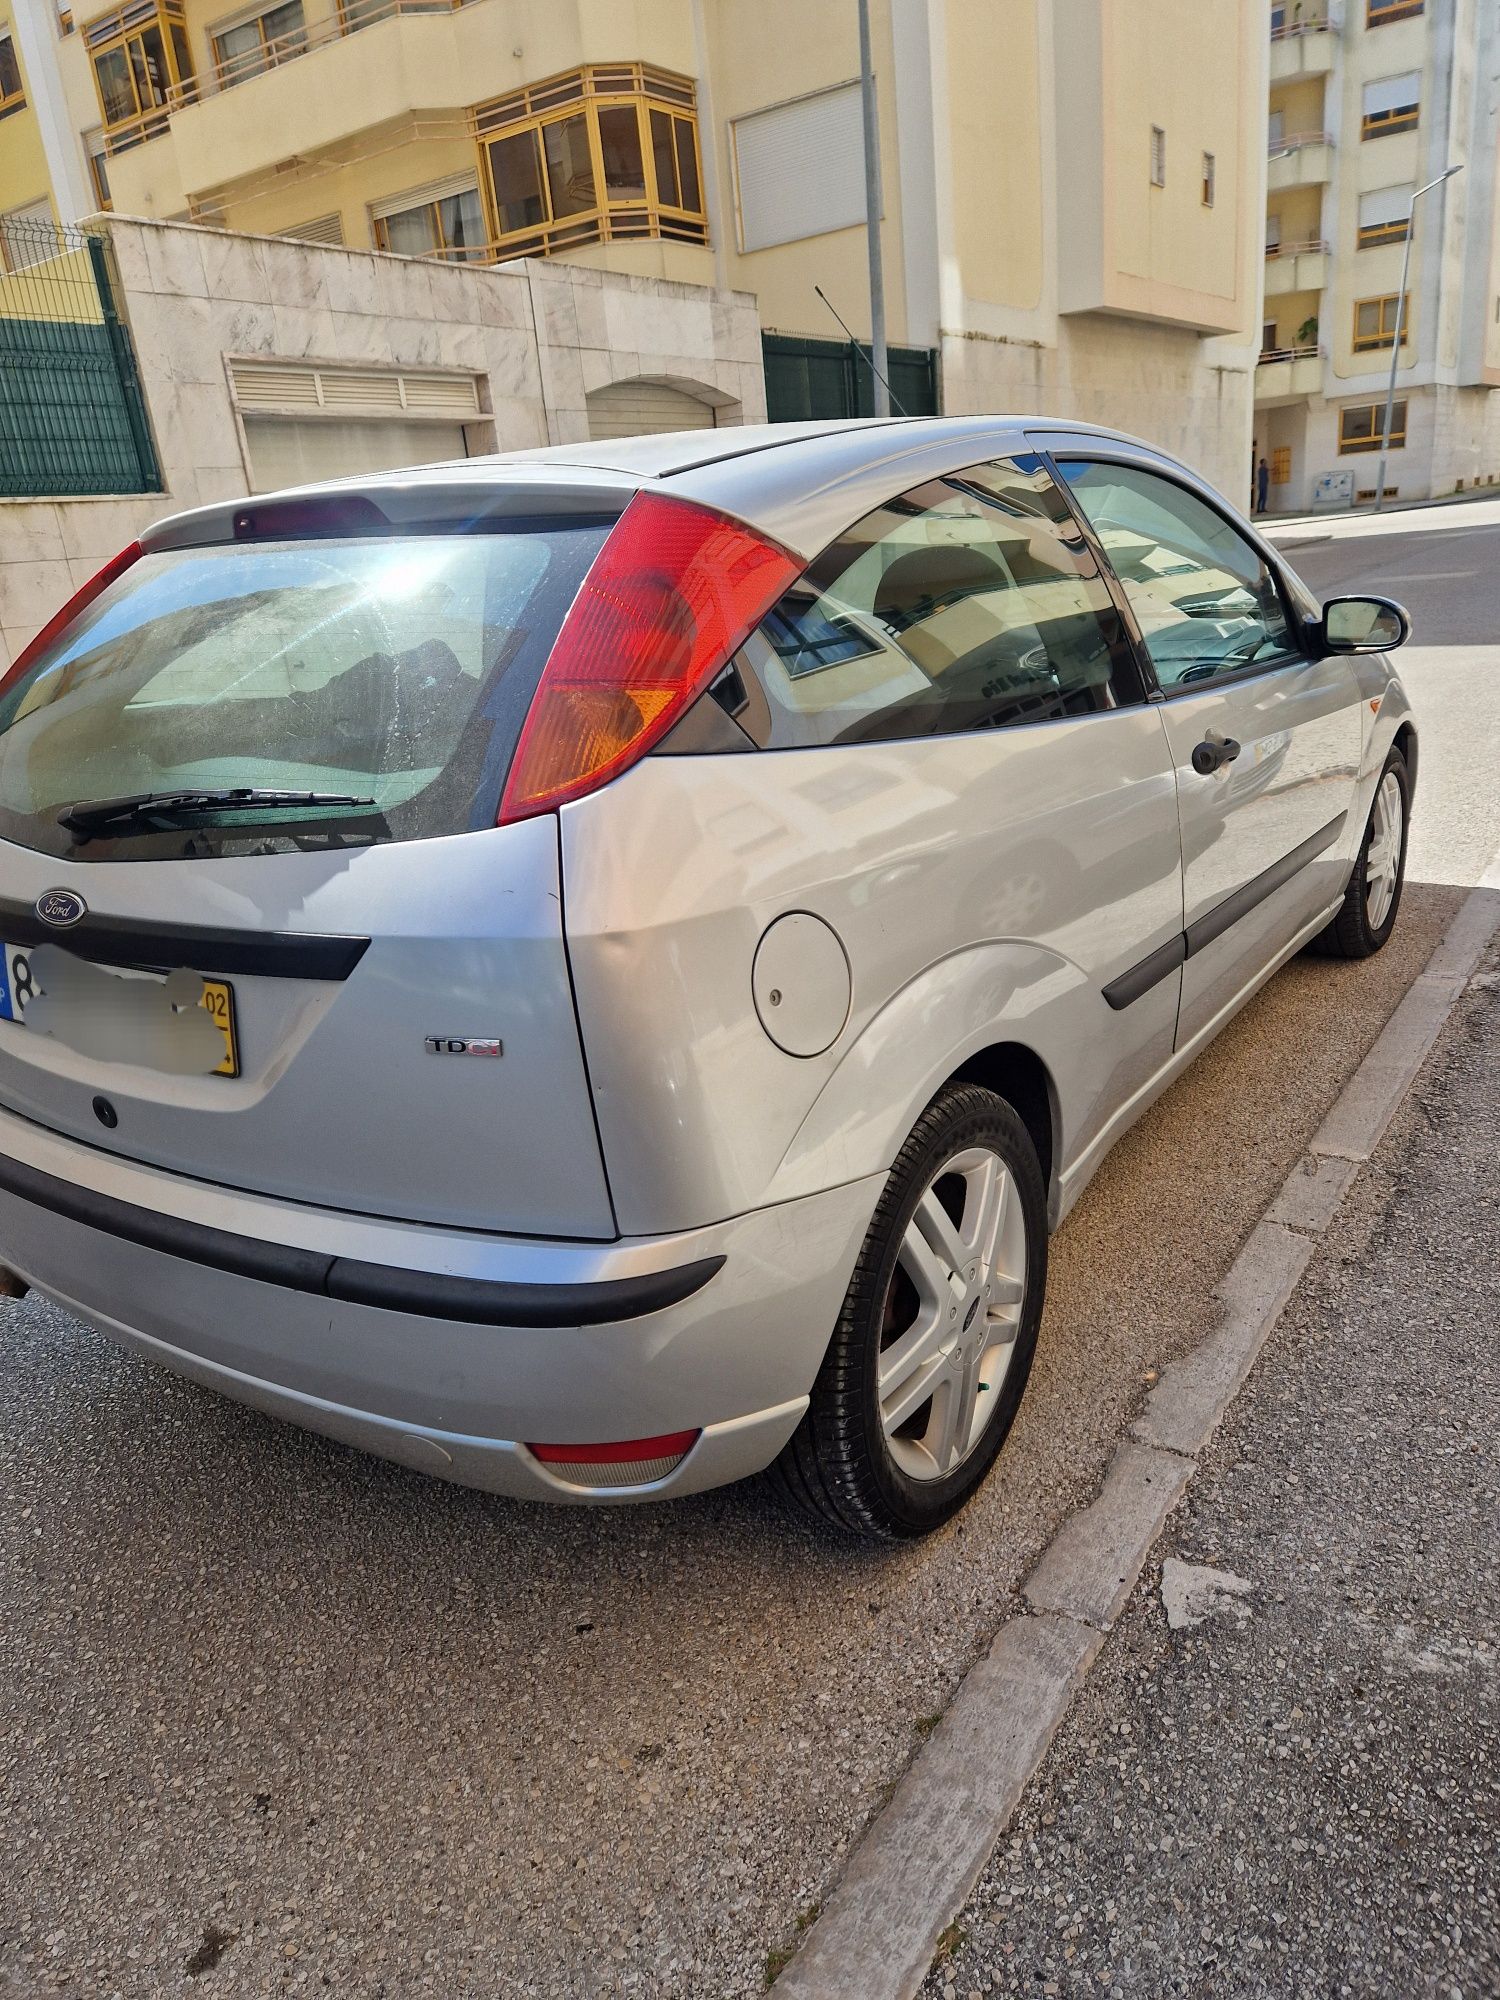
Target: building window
1375, 323
443, 221
1281, 464
12, 92
141, 68
593, 156
1158, 157
1208, 180
245, 48
1378, 12
27, 236
1360, 427
1383, 215
1391, 105
93, 147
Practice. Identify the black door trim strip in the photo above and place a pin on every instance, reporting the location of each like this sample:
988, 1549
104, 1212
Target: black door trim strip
130, 941
1159, 964
427, 1294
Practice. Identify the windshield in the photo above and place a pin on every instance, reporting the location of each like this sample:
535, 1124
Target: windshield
391, 670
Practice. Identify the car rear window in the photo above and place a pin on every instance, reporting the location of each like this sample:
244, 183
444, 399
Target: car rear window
394, 669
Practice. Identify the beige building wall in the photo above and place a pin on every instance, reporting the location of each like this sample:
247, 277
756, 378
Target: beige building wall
1449, 361
1024, 242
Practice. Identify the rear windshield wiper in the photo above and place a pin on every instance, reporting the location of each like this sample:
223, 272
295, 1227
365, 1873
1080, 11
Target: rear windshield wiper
90, 816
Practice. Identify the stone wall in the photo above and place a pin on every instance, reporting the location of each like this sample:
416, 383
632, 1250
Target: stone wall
536, 336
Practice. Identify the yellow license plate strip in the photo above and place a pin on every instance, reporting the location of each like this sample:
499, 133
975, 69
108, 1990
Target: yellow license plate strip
218, 998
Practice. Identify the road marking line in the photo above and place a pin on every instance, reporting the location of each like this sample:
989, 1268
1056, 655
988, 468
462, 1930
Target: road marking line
915, 1867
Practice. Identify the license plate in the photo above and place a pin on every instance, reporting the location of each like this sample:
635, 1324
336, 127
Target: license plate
17, 987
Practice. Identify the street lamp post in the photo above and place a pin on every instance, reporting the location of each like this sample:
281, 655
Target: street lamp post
1390, 394
881, 383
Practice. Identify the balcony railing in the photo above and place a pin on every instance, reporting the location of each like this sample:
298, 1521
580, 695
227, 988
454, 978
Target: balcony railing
1268, 355
1309, 24
351, 17
1276, 148
1309, 246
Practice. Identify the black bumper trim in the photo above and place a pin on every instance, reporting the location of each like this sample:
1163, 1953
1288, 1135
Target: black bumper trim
197, 947
424, 1294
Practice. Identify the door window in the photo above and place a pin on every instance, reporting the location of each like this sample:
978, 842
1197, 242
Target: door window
972, 602
1205, 600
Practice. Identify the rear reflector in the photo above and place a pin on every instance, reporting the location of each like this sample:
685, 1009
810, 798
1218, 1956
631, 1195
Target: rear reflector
672, 595
672, 1444
78, 602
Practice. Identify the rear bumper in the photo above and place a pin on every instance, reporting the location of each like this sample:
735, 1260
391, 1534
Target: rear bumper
445, 1349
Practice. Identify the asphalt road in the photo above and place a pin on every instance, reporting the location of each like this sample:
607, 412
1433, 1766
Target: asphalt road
1298, 1792
276, 1717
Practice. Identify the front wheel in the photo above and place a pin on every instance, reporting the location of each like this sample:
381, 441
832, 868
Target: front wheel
1368, 914
926, 1368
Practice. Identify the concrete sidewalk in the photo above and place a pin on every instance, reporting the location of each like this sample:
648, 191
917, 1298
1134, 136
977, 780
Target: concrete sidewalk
1283, 1775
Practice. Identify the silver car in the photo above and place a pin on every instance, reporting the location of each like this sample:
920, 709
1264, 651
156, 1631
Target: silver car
594, 972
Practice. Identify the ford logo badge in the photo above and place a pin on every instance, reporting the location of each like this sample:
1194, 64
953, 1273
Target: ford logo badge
61, 908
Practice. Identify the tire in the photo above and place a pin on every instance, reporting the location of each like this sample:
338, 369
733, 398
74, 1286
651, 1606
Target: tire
913, 1316
1366, 919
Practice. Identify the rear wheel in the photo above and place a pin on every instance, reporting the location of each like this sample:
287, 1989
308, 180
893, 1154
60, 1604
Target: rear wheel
927, 1365
1368, 914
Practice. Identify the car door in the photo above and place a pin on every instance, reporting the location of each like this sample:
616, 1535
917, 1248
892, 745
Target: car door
1265, 737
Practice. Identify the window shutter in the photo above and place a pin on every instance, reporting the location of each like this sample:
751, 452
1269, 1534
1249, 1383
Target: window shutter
1392, 93
323, 229
799, 168
1383, 205
417, 197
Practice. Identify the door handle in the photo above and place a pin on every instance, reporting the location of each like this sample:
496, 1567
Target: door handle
1212, 753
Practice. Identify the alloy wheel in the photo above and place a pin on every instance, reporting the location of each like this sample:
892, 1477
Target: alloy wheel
952, 1314
1383, 855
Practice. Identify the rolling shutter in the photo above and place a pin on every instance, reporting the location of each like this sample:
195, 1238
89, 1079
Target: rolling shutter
627, 409
800, 168
323, 229
1382, 206
420, 197
1393, 93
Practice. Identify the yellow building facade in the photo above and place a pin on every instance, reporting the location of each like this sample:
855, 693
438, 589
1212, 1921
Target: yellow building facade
1072, 189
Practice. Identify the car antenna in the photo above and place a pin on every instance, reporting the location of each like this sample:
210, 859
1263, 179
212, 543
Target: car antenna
868, 359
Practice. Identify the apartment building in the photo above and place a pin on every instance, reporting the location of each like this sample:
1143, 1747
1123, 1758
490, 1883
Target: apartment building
1071, 193
1369, 100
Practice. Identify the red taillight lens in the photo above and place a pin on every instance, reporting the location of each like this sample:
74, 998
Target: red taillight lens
79, 601
672, 1444
675, 590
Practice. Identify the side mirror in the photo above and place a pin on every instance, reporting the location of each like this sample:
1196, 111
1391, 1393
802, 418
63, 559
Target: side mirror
1364, 625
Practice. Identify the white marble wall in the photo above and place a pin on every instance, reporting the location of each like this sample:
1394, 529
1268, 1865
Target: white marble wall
538, 335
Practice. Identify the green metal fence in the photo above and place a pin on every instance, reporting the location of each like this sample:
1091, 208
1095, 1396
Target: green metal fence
832, 378
72, 416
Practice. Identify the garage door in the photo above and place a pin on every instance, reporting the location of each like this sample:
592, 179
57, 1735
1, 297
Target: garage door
285, 451
626, 409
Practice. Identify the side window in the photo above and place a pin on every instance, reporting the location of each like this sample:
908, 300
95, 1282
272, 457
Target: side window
1204, 599
972, 602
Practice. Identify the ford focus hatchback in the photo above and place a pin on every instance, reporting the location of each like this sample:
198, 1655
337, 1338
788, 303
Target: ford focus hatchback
594, 973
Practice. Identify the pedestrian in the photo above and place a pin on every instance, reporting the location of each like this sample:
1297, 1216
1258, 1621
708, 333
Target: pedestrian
1262, 485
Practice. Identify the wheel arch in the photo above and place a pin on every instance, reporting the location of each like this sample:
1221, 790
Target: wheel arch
1018, 1074
1405, 740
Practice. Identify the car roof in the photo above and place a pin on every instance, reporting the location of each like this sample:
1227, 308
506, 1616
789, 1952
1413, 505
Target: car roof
801, 483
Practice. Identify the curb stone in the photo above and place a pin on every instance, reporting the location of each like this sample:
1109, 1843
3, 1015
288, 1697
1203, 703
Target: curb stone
912, 1872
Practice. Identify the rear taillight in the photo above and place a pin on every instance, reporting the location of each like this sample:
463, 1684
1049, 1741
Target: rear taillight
671, 596
78, 602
